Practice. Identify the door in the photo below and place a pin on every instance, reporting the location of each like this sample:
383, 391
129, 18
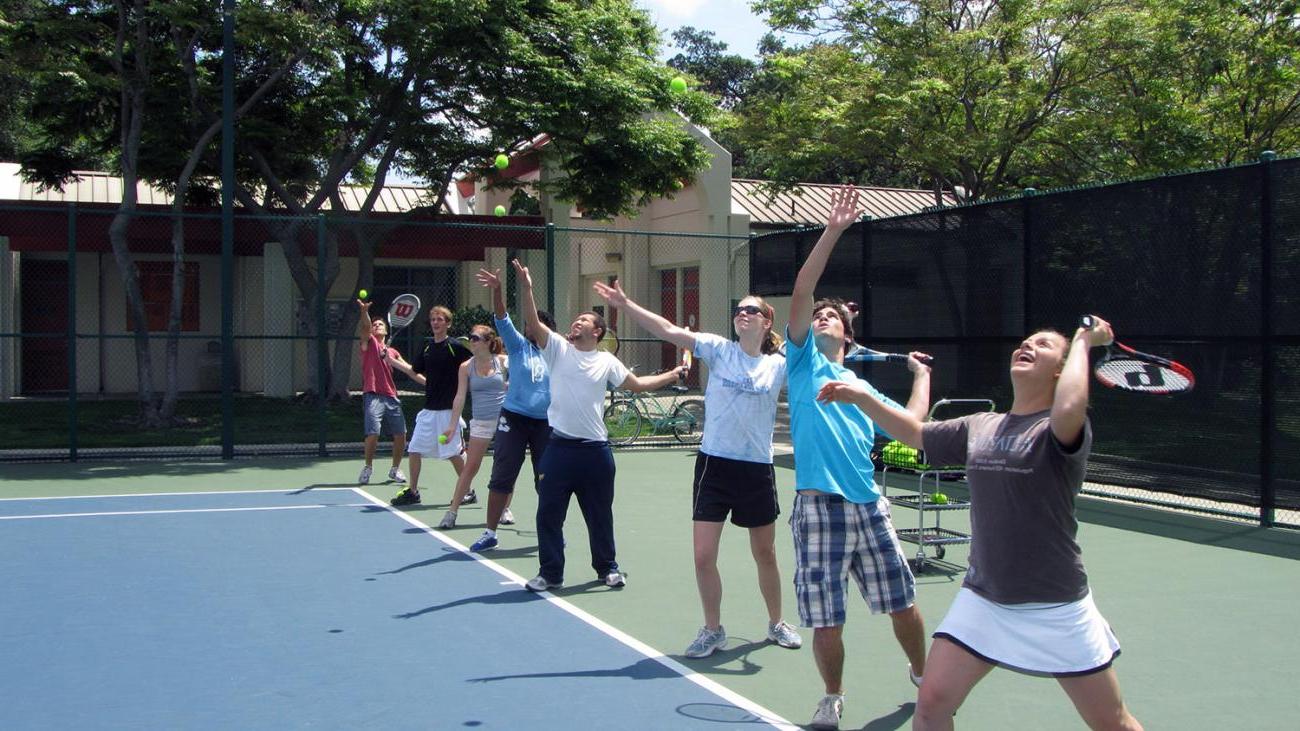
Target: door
44, 344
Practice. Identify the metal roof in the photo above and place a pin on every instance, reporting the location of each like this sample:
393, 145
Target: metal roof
810, 204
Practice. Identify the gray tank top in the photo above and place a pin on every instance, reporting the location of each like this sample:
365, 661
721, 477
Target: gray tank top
487, 393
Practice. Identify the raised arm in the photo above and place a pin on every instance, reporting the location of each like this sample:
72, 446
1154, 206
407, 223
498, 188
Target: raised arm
535, 325
903, 425
458, 403
654, 323
844, 211
1070, 403
492, 280
640, 384
918, 403
363, 323
400, 364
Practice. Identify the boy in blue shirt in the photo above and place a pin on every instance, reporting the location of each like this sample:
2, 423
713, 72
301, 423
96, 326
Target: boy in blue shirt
840, 522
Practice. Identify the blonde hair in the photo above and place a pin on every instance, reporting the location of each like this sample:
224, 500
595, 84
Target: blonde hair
495, 346
771, 341
439, 309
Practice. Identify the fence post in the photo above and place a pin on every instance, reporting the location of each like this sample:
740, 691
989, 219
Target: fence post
322, 342
1267, 415
1025, 221
72, 332
864, 296
550, 269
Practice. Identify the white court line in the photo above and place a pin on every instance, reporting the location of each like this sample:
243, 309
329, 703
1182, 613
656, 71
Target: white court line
173, 494
174, 512
704, 682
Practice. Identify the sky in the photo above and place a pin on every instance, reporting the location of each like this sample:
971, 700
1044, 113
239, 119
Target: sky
731, 21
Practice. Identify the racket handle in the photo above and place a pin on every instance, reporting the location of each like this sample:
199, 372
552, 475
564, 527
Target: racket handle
1086, 322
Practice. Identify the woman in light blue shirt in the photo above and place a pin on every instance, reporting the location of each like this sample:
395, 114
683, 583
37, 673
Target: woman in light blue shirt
733, 471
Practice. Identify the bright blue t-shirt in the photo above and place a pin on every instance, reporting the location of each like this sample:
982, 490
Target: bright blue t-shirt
832, 442
529, 392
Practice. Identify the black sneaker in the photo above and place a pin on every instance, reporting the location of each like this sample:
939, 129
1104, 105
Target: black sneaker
405, 497
469, 499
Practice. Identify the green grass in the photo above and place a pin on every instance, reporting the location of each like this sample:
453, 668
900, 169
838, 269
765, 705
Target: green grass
115, 423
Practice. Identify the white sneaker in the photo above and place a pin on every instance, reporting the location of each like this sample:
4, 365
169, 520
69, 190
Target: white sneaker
706, 642
396, 476
448, 520
916, 679
507, 517
615, 579
364, 477
828, 712
539, 583
784, 635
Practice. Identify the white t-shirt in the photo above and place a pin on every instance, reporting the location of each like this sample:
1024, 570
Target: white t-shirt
740, 400
578, 381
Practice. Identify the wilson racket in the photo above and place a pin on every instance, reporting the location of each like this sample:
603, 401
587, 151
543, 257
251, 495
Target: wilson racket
1132, 370
401, 313
860, 354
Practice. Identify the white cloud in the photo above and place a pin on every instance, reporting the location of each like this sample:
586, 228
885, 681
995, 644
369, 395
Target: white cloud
677, 9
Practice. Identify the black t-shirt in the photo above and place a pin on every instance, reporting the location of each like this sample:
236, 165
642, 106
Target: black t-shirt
440, 366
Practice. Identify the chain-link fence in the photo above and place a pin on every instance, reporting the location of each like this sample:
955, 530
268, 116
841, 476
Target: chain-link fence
118, 333
1199, 267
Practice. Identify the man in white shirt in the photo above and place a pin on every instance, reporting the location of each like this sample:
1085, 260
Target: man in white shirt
578, 461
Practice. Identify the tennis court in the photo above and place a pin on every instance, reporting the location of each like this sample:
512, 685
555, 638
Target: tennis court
270, 594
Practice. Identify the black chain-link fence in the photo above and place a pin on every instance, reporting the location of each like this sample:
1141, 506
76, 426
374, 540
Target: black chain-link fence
87, 317
1199, 267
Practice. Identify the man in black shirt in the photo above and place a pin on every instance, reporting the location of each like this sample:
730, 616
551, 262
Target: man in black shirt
437, 369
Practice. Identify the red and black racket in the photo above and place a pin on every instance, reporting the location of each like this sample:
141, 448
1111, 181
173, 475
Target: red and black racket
1132, 370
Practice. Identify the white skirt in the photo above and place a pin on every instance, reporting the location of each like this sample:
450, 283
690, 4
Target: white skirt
1058, 640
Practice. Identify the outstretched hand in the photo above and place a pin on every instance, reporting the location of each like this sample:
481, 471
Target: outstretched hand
840, 392
525, 279
364, 306
844, 207
614, 295
490, 278
918, 362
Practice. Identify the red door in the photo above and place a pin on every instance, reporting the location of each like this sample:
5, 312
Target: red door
45, 326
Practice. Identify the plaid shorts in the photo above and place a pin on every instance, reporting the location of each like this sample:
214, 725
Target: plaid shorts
835, 539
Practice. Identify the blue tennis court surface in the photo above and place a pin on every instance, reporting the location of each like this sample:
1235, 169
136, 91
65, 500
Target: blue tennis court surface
315, 609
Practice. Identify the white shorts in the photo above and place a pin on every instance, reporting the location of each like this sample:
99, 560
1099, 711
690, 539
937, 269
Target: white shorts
1059, 640
428, 426
482, 428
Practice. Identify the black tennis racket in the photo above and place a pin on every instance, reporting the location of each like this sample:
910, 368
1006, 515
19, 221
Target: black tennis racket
401, 313
860, 354
1132, 370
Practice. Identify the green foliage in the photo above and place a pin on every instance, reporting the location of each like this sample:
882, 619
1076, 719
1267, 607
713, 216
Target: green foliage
465, 318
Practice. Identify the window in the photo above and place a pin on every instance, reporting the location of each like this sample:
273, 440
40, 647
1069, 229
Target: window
156, 293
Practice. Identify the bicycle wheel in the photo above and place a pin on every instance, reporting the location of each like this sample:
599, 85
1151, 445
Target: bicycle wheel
623, 422
688, 421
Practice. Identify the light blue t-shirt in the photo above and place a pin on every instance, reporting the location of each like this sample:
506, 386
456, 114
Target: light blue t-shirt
832, 442
740, 400
529, 393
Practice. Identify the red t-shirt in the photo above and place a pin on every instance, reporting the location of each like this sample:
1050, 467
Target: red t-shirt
376, 373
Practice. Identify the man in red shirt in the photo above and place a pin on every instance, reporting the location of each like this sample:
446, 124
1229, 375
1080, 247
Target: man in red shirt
380, 406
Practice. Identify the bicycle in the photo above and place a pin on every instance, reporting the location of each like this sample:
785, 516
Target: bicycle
628, 411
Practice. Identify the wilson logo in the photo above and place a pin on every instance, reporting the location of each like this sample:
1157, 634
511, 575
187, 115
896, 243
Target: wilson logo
403, 309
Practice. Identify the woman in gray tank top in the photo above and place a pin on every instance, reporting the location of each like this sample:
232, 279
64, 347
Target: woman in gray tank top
483, 377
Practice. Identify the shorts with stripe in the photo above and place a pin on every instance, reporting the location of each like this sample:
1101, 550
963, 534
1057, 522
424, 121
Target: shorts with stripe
747, 490
835, 539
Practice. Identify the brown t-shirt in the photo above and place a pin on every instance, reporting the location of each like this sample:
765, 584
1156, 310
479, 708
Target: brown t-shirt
1022, 483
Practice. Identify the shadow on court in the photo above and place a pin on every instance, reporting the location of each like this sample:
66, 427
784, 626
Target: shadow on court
644, 669
448, 555
898, 719
717, 663
502, 598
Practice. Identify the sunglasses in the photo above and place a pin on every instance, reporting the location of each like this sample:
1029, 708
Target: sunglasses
476, 338
748, 310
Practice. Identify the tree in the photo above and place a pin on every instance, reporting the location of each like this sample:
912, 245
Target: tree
718, 73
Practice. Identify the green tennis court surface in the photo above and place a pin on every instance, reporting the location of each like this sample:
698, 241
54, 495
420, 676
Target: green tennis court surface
1204, 609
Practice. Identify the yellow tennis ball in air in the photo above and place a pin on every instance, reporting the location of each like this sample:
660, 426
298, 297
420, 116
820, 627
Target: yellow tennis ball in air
502, 162
940, 499
442, 438
363, 294
678, 84
499, 210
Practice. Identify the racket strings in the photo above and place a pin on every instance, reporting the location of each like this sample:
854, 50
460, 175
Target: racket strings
1137, 375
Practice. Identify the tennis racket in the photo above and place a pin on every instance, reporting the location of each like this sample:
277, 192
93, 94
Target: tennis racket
860, 354
1131, 370
609, 343
687, 359
401, 313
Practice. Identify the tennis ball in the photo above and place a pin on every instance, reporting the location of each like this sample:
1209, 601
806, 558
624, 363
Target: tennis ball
363, 294
678, 84
940, 499
502, 162
442, 438
499, 210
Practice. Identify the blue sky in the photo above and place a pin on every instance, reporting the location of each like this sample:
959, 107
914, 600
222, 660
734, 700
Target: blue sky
731, 21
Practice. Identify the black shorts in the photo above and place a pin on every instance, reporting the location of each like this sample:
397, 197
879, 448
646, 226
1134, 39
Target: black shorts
747, 490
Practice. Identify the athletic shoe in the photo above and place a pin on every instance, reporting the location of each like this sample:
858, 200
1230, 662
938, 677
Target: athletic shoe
507, 517
615, 579
406, 496
364, 477
486, 542
916, 679
707, 641
539, 583
396, 475
448, 520
784, 635
469, 499
828, 712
